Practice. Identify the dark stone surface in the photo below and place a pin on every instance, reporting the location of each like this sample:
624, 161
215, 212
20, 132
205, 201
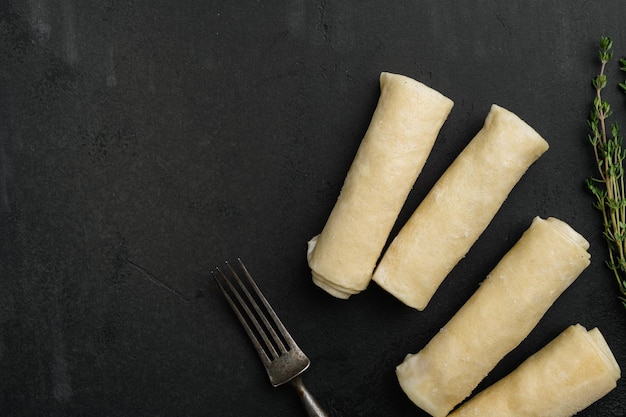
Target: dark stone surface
175, 135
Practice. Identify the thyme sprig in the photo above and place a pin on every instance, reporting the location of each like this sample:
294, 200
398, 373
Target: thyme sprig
609, 188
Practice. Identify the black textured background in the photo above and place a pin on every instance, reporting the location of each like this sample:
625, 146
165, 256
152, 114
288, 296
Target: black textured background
176, 134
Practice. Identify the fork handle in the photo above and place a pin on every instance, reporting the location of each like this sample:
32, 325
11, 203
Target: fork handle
312, 406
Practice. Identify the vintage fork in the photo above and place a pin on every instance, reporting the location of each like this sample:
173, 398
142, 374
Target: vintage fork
284, 361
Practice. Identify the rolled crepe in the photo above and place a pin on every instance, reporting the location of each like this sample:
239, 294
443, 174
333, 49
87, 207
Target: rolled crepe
569, 374
458, 208
393, 151
509, 303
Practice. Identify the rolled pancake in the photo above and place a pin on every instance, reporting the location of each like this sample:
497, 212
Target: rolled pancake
509, 303
459, 208
569, 374
393, 151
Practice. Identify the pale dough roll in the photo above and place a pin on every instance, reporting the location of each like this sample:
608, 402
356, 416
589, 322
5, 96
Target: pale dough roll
509, 303
459, 208
393, 151
569, 374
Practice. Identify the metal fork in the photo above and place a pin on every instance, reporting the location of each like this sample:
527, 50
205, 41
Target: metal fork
284, 361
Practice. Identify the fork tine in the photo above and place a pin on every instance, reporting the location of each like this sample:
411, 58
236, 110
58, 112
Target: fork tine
245, 303
279, 325
257, 308
242, 311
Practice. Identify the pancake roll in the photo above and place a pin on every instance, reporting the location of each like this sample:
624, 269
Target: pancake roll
569, 374
458, 208
395, 147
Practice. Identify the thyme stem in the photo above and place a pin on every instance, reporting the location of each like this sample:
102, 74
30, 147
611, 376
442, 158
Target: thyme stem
609, 188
